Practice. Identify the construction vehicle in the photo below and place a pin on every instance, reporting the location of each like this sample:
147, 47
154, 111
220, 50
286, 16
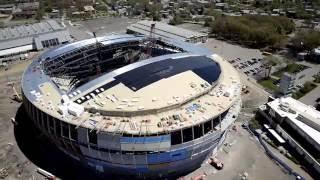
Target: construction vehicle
215, 163
16, 96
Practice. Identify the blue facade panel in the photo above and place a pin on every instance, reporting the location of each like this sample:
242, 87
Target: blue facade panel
179, 155
144, 140
164, 157
157, 158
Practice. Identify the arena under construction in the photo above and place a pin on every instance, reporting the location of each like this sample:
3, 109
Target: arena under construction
133, 105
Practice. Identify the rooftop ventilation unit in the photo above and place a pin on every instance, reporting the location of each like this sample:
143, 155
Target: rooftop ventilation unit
284, 106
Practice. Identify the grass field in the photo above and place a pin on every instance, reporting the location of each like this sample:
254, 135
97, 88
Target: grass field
290, 68
307, 87
316, 78
269, 83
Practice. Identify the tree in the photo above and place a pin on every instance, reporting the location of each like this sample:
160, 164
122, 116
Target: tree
47, 5
306, 40
40, 13
256, 31
207, 22
156, 16
176, 20
212, 12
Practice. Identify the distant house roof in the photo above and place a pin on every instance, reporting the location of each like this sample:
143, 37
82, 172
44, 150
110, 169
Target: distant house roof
317, 51
28, 6
6, 5
88, 8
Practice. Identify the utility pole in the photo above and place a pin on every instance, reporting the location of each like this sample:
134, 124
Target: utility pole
151, 40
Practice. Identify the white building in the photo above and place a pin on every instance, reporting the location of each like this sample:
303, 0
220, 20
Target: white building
24, 38
303, 118
287, 83
299, 125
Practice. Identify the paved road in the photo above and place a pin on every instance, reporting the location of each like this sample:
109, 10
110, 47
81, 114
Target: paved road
101, 26
231, 51
310, 98
308, 73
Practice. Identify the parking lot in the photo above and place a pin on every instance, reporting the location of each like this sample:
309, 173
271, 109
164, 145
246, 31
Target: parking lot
248, 61
254, 67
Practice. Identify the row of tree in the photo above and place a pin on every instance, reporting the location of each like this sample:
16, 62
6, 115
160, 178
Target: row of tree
253, 30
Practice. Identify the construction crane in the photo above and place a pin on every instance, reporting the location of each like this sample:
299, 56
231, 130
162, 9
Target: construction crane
98, 68
151, 38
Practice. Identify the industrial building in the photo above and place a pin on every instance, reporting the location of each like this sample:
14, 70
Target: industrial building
133, 105
298, 124
24, 38
166, 31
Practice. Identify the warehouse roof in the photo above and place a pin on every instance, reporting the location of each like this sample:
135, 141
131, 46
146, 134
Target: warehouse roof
165, 30
29, 30
16, 50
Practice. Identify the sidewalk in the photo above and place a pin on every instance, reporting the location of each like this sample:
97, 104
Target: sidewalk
310, 98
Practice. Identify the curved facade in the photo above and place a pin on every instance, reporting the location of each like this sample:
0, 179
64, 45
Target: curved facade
130, 105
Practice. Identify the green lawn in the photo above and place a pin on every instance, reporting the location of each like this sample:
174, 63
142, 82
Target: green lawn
269, 84
316, 78
290, 68
307, 87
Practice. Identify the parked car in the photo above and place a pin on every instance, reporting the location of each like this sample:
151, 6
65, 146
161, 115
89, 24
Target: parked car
299, 86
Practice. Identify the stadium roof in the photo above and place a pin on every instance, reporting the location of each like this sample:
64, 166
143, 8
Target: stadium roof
145, 79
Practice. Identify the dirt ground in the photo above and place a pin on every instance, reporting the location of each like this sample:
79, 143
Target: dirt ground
243, 155
13, 163
22, 147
